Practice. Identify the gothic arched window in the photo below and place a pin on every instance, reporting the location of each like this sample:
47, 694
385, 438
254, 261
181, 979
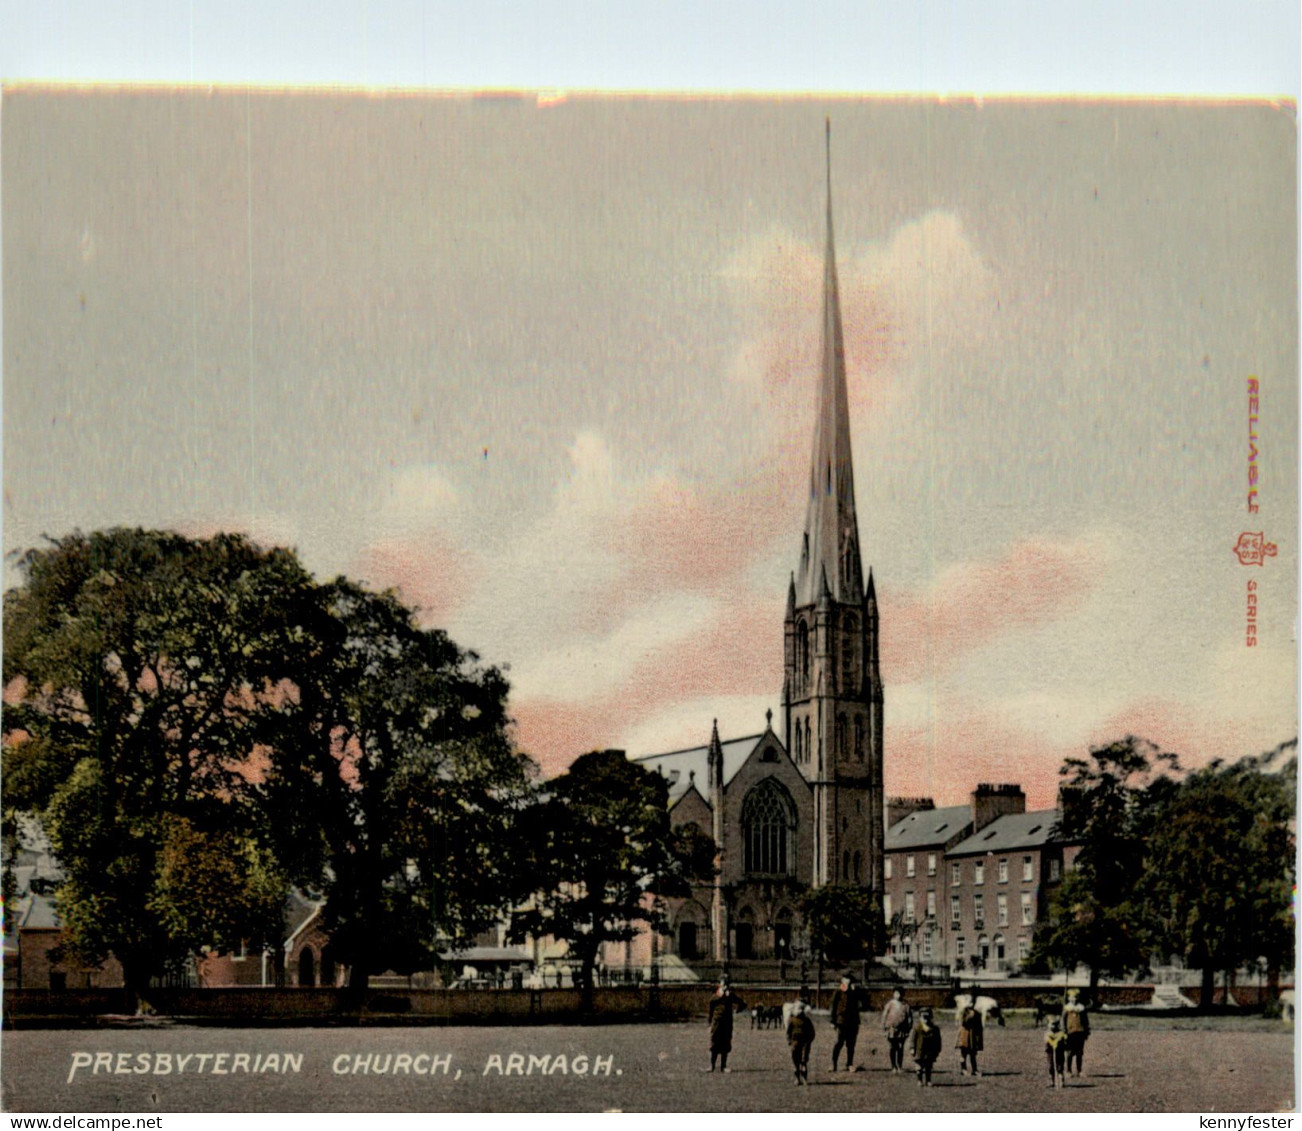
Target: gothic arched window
802, 655
796, 750
849, 651
768, 823
809, 749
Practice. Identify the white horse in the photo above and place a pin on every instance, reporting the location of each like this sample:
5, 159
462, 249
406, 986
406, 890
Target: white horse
1287, 1005
986, 1006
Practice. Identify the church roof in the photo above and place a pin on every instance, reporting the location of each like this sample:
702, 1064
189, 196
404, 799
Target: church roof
685, 767
924, 828
1010, 832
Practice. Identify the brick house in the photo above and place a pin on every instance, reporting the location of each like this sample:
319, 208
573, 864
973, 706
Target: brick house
998, 883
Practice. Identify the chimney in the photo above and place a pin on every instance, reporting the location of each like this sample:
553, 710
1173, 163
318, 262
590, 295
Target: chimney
992, 801
897, 808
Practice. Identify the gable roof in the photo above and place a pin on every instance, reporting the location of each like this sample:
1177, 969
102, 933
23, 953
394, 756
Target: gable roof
925, 828
692, 765
1009, 832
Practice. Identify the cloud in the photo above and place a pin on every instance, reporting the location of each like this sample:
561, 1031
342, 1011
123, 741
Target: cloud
971, 603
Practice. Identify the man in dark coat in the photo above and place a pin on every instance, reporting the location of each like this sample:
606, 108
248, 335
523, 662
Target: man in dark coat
847, 1004
723, 1005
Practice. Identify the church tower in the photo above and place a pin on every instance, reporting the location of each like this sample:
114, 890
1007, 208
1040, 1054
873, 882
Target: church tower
832, 690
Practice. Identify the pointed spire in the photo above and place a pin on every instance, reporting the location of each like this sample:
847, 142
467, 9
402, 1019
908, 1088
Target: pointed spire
831, 526
871, 594
791, 598
714, 759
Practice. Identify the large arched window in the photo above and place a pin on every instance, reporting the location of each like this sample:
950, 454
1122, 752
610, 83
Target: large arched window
768, 821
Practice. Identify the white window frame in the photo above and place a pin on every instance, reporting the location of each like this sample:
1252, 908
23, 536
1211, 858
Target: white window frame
955, 874
931, 904
1028, 909
1001, 906
931, 863
909, 909
1003, 870
909, 866
978, 872
887, 868
1028, 869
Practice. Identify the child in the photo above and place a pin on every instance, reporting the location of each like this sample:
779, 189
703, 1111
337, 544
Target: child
971, 1039
1055, 1049
800, 1036
926, 1047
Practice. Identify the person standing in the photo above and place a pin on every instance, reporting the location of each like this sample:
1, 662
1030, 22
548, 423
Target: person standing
897, 1023
1076, 1024
723, 1006
971, 1038
800, 1038
926, 1047
1055, 1049
846, 1012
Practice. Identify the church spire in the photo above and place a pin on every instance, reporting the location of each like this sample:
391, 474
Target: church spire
831, 527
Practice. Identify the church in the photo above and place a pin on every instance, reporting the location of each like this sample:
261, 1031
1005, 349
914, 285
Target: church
803, 808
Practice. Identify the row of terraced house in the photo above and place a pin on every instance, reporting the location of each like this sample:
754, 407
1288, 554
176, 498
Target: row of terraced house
966, 885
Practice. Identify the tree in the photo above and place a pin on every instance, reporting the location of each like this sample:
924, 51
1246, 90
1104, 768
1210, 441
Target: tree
1109, 806
843, 921
406, 784
146, 674
599, 851
1219, 874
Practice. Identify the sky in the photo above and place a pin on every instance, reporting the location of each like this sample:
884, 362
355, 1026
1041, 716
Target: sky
547, 365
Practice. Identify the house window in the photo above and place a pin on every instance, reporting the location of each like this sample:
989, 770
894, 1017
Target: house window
926, 945
960, 947
1055, 869
908, 865
768, 821
931, 863
908, 907
979, 909
1003, 910
955, 874
1028, 869
888, 868
979, 872
931, 905
886, 906
954, 909
1023, 948
1028, 912
1003, 871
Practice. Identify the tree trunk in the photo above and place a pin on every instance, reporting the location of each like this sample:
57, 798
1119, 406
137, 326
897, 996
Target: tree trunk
1094, 983
586, 967
1208, 991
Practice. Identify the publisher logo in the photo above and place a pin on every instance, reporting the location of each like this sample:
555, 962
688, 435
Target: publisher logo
1253, 549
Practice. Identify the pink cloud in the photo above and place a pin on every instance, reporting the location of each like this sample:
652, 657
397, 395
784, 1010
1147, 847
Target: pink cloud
432, 574
975, 602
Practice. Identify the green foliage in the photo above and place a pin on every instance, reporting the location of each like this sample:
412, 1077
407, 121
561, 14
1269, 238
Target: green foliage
844, 922
1219, 876
408, 783
1110, 804
1201, 867
599, 852
144, 672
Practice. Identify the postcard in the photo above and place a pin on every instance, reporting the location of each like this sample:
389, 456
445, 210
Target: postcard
544, 602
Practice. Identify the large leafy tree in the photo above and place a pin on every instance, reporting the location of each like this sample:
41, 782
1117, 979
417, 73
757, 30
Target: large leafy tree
147, 676
402, 785
844, 922
599, 854
1111, 802
1219, 874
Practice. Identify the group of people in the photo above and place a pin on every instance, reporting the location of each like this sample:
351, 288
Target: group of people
1064, 1041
